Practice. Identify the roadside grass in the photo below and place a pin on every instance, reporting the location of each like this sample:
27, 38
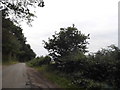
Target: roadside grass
9, 62
61, 81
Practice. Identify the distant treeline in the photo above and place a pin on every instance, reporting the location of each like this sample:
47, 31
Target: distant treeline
14, 45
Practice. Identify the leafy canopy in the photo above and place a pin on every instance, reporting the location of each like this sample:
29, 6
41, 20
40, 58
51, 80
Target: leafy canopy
14, 43
68, 41
19, 10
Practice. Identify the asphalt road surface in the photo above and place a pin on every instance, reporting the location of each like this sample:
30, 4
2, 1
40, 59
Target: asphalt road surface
14, 76
21, 76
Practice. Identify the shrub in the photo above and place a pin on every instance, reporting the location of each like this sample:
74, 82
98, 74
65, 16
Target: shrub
39, 61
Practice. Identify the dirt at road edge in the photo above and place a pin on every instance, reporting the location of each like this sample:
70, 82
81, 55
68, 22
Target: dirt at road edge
37, 80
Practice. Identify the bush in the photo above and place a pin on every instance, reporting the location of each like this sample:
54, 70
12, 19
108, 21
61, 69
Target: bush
105, 67
88, 83
39, 61
101, 70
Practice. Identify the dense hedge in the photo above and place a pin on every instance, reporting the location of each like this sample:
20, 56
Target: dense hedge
99, 70
39, 61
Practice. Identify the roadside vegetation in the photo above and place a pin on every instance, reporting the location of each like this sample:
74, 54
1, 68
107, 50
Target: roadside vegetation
96, 71
69, 66
14, 44
14, 47
50, 73
67, 63
10, 62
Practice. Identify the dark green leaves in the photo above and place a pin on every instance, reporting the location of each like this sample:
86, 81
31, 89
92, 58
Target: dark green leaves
14, 43
20, 10
67, 41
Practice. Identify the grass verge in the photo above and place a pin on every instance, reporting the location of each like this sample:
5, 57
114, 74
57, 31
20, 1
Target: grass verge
62, 82
9, 62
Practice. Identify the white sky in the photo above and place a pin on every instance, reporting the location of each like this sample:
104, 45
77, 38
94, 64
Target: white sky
97, 17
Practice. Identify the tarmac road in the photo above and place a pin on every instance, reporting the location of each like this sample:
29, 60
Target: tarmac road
21, 76
14, 76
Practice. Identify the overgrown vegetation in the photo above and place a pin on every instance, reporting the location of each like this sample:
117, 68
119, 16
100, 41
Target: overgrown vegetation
68, 60
66, 63
39, 61
54, 76
14, 45
10, 62
67, 42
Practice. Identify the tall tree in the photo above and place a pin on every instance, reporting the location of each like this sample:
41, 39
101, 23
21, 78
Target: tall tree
10, 44
67, 41
14, 43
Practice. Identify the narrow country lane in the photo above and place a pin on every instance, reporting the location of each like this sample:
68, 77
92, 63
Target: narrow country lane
14, 76
21, 76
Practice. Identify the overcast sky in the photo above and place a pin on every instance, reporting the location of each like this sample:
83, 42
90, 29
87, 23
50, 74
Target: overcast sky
99, 18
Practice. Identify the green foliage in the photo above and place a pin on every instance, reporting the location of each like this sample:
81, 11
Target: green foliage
20, 10
100, 70
52, 75
10, 62
74, 56
9, 41
66, 42
88, 84
94, 71
26, 53
14, 43
105, 66
39, 61
67, 48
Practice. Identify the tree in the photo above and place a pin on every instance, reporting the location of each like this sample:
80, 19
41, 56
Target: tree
14, 43
68, 41
104, 66
26, 53
10, 44
20, 9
